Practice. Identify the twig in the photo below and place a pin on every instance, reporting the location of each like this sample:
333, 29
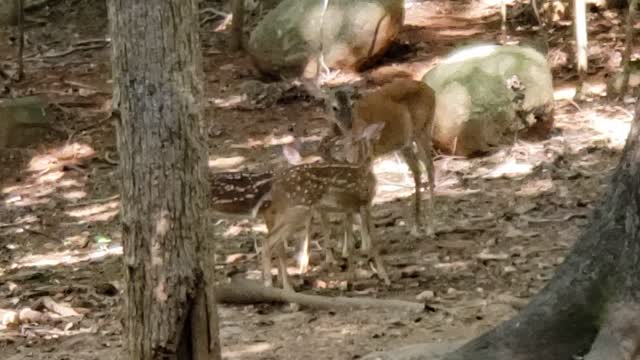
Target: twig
84, 86
91, 41
624, 111
108, 159
214, 11
97, 201
68, 51
94, 124
544, 220
26, 229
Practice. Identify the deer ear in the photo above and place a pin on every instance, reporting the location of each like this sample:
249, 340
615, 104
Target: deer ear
373, 131
291, 153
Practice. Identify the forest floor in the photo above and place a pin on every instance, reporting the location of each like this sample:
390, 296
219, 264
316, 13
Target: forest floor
503, 222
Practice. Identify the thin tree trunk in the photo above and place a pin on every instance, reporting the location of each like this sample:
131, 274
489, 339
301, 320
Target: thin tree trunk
503, 22
626, 56
169, 310
19, 56
580, 29
592, 304
237, 24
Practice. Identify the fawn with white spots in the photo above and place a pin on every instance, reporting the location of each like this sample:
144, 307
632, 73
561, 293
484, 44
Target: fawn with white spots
407, 108
300, 191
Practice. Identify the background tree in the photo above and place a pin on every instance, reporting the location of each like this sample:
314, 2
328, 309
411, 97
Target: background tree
237, 24
156, 59
580, 29
626, 56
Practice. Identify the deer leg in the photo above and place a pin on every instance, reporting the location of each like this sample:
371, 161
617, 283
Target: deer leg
303, 256
364, 234
326, 243
266, 265
426, 156
412, 160
348, 245
365, 217
282, 268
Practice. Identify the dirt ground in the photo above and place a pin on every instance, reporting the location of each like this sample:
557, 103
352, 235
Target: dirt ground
503, 222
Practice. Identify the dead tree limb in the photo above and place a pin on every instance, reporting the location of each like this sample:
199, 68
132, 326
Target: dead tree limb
252, 292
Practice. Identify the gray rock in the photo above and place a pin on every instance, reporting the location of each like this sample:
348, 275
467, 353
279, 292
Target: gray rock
287, 40
485, 94
23, 121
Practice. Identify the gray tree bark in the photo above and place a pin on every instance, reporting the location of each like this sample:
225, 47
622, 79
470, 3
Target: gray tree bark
169, 307
592, 305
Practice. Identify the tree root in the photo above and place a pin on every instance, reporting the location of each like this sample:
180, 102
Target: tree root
619, 336
252, 292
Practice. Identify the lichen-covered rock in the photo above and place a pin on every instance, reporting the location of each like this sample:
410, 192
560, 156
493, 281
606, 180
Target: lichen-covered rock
486, 94
8, 12
287, 40
23, 121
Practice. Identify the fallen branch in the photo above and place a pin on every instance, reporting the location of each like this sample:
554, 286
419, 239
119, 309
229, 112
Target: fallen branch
252, 292
68, 51
96, 201
49, 304
545, 220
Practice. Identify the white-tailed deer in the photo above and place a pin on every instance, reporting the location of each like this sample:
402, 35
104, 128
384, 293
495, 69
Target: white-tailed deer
245, 194
241, 195
299, 191
407, 109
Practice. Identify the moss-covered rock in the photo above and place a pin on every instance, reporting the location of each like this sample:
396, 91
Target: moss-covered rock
487, 93
23, 121
287, 40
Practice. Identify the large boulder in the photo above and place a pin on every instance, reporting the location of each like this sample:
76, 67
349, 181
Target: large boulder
488, 94
287, 40
8, 12
23, 121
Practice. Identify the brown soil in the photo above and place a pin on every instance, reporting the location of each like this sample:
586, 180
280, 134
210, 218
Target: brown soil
503, 222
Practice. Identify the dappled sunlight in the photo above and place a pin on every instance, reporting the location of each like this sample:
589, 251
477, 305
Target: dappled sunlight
47, 172
272, 140
57, 157
226, 163
95, 212
74, 195
614, 128
564, 93
230, 102
17, 200
234, 229
244, 350
66, 257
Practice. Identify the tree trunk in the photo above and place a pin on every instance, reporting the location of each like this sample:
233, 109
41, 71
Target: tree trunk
592, 303
169, 307
237, 24
20, 54
580, 30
